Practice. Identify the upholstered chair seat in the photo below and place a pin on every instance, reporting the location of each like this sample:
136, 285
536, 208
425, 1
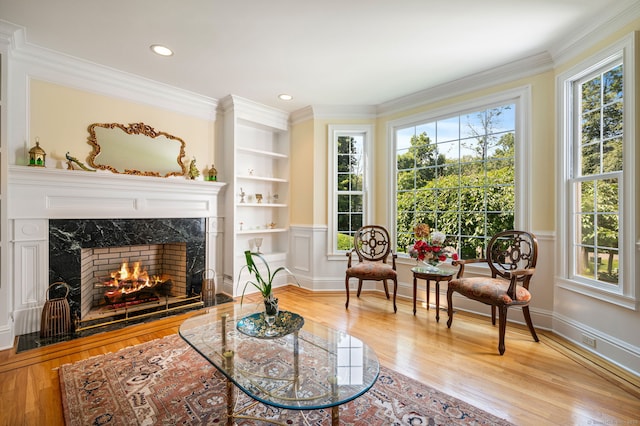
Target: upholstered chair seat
373, 271
491, 291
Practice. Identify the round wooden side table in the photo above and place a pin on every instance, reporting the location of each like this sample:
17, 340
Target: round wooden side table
430, 274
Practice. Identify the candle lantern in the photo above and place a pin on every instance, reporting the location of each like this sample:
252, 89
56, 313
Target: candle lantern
37, 155
213, 174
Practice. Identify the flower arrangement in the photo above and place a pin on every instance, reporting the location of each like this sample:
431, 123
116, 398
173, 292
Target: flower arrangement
429, 246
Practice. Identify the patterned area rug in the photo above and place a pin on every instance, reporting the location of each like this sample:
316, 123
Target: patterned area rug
166, 382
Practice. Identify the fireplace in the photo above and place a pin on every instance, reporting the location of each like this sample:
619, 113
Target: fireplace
85, 252
54, 214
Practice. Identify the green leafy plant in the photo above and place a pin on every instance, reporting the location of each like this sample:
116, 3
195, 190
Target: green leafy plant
262, 281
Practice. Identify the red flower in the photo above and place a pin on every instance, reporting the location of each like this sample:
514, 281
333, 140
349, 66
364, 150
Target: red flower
432, 250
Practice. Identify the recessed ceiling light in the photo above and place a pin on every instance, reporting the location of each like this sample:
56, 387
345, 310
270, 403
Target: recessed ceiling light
161, 50
285, 97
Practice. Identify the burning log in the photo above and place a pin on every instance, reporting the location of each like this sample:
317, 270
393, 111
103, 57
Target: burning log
127, 285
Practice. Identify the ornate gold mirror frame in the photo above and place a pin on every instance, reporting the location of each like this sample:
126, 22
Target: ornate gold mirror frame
136, 149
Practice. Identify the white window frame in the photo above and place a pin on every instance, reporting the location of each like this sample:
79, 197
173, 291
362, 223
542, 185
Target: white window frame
625, 293
335, 131
521, 97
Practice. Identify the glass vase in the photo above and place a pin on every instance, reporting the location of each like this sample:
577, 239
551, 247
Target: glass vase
431, 265
270, 314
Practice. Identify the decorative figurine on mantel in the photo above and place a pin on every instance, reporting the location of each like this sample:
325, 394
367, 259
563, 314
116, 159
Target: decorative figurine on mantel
212, 174
37, 155
71, 160
193, 170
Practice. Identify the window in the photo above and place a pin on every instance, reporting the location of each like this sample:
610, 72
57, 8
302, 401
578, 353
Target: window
348, 146
457, 173
597, 174
596, 199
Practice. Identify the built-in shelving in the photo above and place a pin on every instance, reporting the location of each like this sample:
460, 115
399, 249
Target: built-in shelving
6, 318
3, 173
257, 157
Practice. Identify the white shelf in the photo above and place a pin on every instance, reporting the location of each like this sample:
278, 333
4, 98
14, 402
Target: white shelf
262, 178
260, 205
271, 256
263, 153
262, 231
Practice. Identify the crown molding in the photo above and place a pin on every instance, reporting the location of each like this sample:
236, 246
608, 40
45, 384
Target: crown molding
55, 67
489, 78
301, 115
624, 13
335, 112
257, 113
531, 65
9, 31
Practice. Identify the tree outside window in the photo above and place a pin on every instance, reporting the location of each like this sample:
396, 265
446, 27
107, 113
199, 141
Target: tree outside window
457, 174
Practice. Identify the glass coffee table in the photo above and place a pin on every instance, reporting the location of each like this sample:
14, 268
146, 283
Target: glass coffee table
298, 364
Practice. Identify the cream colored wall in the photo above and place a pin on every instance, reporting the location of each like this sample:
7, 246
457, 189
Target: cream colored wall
60, 116
302, 173
320, 171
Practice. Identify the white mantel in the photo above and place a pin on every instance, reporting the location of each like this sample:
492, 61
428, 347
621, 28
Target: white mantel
41, 193
36, 195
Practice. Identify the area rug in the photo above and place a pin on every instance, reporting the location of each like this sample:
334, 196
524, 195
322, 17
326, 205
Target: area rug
166, 382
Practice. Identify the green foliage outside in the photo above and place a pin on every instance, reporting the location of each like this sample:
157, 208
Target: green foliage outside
469, 198
350, 197
345, 242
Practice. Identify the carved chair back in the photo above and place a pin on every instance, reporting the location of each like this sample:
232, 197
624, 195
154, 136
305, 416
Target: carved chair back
511, 250
372, 243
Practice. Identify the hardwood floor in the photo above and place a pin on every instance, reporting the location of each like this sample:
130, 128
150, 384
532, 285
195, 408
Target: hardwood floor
547, 383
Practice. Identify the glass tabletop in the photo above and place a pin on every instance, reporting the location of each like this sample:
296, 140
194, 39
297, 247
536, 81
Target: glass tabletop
307, 367
444, 271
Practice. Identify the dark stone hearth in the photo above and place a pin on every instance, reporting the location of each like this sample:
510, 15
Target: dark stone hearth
33, 340
67, 237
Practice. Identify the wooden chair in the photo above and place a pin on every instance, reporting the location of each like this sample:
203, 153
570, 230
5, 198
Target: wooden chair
372, 245
512, 257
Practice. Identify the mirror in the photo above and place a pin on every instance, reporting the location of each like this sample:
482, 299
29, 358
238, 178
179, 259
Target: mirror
136, 149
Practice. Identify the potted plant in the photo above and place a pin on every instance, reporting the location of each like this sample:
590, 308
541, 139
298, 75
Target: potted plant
262, 281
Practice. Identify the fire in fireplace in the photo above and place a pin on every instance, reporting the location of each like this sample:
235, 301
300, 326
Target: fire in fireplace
118, 280
133, 285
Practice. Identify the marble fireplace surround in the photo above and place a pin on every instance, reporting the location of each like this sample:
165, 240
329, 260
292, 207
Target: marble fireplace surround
40, 195
67, 237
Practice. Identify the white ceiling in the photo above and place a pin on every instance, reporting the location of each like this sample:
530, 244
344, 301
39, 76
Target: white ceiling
333, 52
